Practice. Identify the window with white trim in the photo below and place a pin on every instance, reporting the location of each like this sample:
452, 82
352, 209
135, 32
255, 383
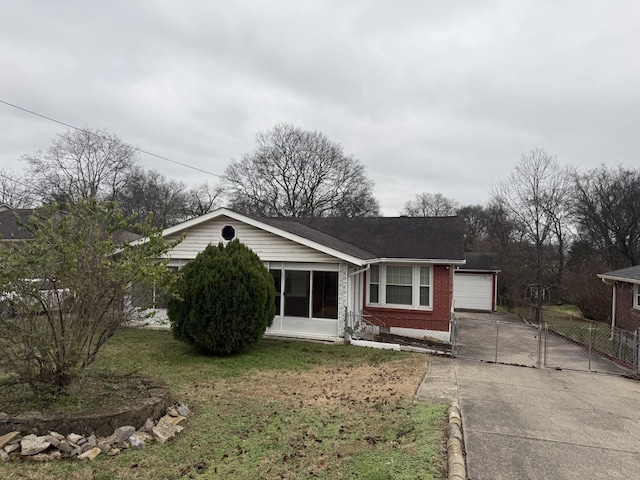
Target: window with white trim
636, 296
402, 286
374, 284
425, 286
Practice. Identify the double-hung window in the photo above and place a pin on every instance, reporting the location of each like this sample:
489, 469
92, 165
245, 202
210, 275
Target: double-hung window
404, 286
636, 296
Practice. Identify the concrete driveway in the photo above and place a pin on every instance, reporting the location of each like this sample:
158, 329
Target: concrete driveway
528, 423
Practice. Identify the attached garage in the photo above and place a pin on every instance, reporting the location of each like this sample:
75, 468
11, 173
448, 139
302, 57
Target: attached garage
474, 284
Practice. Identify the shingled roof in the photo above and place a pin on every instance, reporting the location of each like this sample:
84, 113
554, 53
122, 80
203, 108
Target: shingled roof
9, 227
480, 262
433, 238
629, 274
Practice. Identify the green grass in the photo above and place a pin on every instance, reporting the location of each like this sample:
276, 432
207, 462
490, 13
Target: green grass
236, 432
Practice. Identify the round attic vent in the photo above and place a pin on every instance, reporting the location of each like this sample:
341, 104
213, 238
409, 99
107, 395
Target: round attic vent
228, 232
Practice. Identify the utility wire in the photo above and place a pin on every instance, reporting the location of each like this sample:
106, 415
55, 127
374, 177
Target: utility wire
97, 135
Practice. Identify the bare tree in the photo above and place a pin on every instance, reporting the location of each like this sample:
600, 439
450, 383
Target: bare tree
202, 199
298, 173
15, 190
148, 193
535, 196
81, 164
430, 205
607, 210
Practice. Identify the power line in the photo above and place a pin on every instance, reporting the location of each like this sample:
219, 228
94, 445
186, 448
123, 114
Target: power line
68, 125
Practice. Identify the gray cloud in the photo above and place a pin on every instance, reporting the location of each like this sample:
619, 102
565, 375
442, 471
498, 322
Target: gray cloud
432, 96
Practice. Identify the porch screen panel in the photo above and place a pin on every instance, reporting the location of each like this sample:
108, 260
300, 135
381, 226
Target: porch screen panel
296, 293
325, 295
277, 280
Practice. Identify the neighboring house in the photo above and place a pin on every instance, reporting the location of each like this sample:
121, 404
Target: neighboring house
10, 230
476, 283
625, 305
334, 273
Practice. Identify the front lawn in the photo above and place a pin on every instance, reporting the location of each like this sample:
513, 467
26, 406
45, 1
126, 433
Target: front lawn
284, 410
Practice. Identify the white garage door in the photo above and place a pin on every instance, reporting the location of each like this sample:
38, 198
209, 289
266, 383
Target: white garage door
473, 291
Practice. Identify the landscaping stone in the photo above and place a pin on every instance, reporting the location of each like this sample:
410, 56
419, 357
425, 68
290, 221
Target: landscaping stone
75, 438
148, 425
12, 447
135, 442
32, 444
64, 446
55, 446
8, 438
90, 454
101, 424
122, 433
182, 410
52, 440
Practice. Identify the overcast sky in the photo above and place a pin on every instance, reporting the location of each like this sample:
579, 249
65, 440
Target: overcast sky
432, 96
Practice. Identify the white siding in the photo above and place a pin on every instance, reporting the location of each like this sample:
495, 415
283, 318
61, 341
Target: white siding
473, 291
267, 246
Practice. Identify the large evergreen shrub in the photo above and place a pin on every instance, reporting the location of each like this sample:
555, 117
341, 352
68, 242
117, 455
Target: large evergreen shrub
226, 300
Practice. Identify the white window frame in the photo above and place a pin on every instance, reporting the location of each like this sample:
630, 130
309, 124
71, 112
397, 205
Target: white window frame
415, 287
636, 296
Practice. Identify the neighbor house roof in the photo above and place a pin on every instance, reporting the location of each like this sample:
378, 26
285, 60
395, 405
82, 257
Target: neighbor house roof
480, 262
629, 275
9, 226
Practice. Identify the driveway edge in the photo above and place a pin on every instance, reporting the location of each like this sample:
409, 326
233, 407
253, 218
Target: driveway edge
455, 455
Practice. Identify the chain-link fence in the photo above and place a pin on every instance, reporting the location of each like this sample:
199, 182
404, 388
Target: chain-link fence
597, 341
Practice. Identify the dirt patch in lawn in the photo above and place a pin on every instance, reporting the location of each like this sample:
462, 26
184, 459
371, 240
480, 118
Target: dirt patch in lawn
373, 384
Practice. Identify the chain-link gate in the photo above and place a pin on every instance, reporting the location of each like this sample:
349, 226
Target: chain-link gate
507, 339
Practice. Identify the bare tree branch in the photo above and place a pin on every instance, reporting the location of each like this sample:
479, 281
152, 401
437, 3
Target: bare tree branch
297, 173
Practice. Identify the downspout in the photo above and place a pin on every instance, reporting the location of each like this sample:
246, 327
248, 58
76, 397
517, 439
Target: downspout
613, 305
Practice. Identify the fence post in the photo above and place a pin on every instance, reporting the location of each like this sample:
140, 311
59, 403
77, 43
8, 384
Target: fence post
546, 344
497, 337
538, 361
452, 337
590, 343
619, 343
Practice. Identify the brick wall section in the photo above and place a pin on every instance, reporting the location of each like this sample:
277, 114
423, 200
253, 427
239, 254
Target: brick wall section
436, 319
627, 317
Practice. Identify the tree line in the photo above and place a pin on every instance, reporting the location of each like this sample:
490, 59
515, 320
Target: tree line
291, 172
554, 227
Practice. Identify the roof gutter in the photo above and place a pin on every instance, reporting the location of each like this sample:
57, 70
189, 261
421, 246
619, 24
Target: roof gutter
439, 261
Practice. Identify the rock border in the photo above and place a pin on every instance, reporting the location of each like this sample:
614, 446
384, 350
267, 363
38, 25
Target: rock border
455, 443
101, 424
55, 446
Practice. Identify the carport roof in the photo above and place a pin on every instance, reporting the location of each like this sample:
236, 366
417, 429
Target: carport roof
629, 275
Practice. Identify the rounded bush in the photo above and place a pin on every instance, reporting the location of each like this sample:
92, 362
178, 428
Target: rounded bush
225, 301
